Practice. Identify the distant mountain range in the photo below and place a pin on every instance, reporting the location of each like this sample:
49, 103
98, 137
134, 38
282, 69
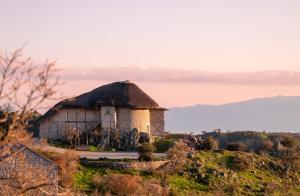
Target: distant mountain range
279, 113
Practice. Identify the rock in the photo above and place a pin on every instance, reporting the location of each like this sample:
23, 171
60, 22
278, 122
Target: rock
194, 141
181, 173
198, 164
190, 155
253, 172
258, 177
223, 174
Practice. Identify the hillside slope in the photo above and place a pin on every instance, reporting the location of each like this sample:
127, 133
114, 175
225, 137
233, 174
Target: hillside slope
271, 114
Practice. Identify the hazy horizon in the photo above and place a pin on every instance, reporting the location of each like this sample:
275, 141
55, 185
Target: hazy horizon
180, 53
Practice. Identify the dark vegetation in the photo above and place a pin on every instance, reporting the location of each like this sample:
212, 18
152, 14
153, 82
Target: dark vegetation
146, 152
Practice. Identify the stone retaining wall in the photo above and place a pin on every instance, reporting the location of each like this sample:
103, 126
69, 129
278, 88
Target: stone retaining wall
152, 165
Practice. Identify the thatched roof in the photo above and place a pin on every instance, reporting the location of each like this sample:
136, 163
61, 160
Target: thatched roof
120, 94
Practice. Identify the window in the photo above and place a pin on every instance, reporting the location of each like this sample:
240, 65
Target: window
107, 111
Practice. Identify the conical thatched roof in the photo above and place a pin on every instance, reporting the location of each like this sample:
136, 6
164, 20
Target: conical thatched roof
120, 94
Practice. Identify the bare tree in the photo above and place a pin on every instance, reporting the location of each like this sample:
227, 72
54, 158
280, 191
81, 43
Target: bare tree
72, 135
25, 85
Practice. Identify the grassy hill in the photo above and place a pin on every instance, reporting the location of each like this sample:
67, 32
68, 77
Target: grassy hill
209, 173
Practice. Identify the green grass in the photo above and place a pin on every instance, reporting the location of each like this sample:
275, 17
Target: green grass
183, 183
85, 176
254, 180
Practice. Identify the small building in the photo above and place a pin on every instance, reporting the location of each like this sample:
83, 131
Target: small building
23, 171
119, 106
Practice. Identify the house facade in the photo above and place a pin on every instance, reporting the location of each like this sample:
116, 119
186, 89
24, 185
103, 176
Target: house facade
119, 106
25, 171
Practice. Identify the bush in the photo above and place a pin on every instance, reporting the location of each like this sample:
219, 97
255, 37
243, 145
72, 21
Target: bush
144, 138
239, 162
100, 184
210, 144
163, 145
236, 146
289, 142
267, 145
146, 152
290, 159
123, 184
177, 155
68, 163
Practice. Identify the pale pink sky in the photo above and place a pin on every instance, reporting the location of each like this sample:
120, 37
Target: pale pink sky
198, 52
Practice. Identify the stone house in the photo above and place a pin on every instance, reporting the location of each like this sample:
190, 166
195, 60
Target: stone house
117, 107
22, 169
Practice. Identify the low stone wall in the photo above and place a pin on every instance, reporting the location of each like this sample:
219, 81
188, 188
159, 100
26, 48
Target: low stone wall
152, 165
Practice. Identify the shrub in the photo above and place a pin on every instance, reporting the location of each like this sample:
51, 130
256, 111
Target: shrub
290, 158
68, 163
289, 142
163, 145
152, 187
178, 155
123, 184
237, 146
267, 145
239, 162
100, 184
146, 152
144, 138
210, 143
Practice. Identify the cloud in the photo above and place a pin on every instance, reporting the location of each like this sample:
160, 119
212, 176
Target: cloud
153, 74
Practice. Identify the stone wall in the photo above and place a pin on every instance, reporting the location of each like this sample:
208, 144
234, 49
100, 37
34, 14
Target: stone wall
152, 165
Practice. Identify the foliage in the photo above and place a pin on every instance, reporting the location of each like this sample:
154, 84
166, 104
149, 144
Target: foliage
290, 142
163, 145
204, 173
145, 151
177, 155
68, 163
210, 143
266, 146
239, 162
25, 86
238, 146
94, 148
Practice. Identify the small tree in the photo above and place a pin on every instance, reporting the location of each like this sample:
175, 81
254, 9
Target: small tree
237, 146
239, 162
178, 155
210, 144
289, 142
72, 135
68, 163
25, 85
146, 152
